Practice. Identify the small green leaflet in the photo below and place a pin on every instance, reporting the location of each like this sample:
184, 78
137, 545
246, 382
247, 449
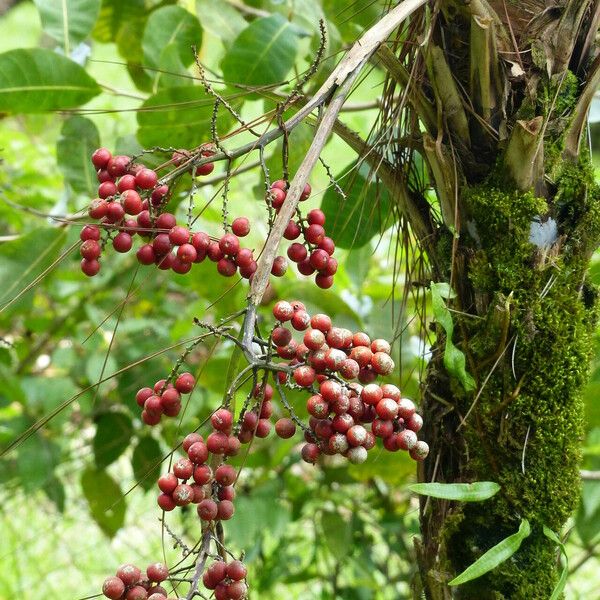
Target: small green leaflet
463, 492
454, 359
560, 586
495, 555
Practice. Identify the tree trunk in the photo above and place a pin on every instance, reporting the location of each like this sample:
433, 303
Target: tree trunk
521, 219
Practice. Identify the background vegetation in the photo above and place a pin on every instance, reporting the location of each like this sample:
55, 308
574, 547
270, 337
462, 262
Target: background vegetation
78, 497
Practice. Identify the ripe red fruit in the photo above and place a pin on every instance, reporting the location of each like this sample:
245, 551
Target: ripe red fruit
90, 232
391, 391
172, 411
331, 390
166, 221
342, 422
217, 442
419, 451
305, 192
387, 409
226, 267
406, 408
169, 399
90, 267
380, 345
314, 234
98, 208
237, 590
189, 439
317, 406
205, 169
263, 428
207, 509
321, 322
357, 455
371, 394
103, 175
349, 369
406, 440
156, 595
258, 392
122, 242
161, 244
382, 429
137, 592
292, 231
183, 468
316, 217
129, 574
202, 474
279, 267
310, 453
132, 203
225, 475
382, 363
90, 249
314, 339
117, 166
179, 235
142, 395
330, 268
324, 281
144, 222
305, 268
241, 226
198, 453
300, 320
367, 375
304, 376
297, 252
166, 502
229, 244
150, 419
247, 272
146, 179
159, 194
157, 572
100, 157
328, 245
283, 311
236, 570
222, 419
185, 383
167, 483
276, 197
200, 241
114, 212
225, 510
214, 252
414, 422
107, 189
280, 184
113, 588
281, 336
183, 494
285, 428
226, 493
244, 258
187, 254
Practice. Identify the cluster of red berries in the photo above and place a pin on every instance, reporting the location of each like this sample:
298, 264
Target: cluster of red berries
326, 357
129, 584
226, 579
213, 493
256, 422
164, 398
315, 254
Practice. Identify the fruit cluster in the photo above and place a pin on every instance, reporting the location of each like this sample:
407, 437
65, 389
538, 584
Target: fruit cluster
256, 422
314, 255
164, 398
226, 579
213, 493
329, 357
130, 584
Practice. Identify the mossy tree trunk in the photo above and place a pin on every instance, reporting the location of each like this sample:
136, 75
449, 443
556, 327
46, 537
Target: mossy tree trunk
510, 85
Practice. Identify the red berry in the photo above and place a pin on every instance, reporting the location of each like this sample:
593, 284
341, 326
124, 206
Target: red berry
324, 281
297, 252
90, 267
200, 241
371, 394
129, 574
166, 221
247, 272
244, 258
107, 189
317, 406
263, 428
225, 475
167, 483
183, 468
300, 320
159, 194
331, 267
285, 428
406, 440
198, 453
122, 242
305, 192
265, 392
226, 493
391, 391
113, 588
202, 474
357, 455
331, 390
233, 446
414, 422
226, 267
281, 336
183, 494
279, 267
292, 231
382, 429
132, 203
367, 375
314, 339
380, 345
349, 369
114, 212
179, 266
310, 453
100, 159
406, 408
161, 244
276, 197
144, 222
229, 244
166, 502
222, 419
98, 208
225, 510
150, 420
103, 175
187, 253
117, 166
382, 363
327, 244
205, 169
419, 451
90, 249
179, 235
156, 595
236, 570
157, 572
137, 592
189, 439
387, 409
304, 376
173, 410
217, 442
341, 423
143, 395
280, 184
316, 217
314, 234
90, 232
146, 179
305, 268
321, 322
185, 383
283, 311
207, 509
241, 226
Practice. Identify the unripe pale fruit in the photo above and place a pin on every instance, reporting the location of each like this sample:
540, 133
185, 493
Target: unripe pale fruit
183, 494
338, 444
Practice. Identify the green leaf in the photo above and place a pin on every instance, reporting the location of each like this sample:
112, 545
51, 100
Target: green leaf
363, 214
36, 460
171, 25
562, 581
262, 54
299, 141
463, 492
36, 80
68, 21
220, 19
105, 500
337, 533
181, 115
454, 359
114, 15
146, 461
55, 491
113, 434
79, 138
172, 72
495, 555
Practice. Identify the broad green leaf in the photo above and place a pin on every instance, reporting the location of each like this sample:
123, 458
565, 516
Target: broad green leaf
358, 263
179, 117
115, 14
262, 54
463, 492
172, 72
220, 19
337, 533
105, 500
68, 21
146, 461
454, 359
364, 213
562, 582
171, 25
113, 435
36, 80
36, 460
299, 141
55, 490
495, 555
95, 369
79, 138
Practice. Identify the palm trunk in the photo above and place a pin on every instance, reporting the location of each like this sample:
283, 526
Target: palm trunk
520, 217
